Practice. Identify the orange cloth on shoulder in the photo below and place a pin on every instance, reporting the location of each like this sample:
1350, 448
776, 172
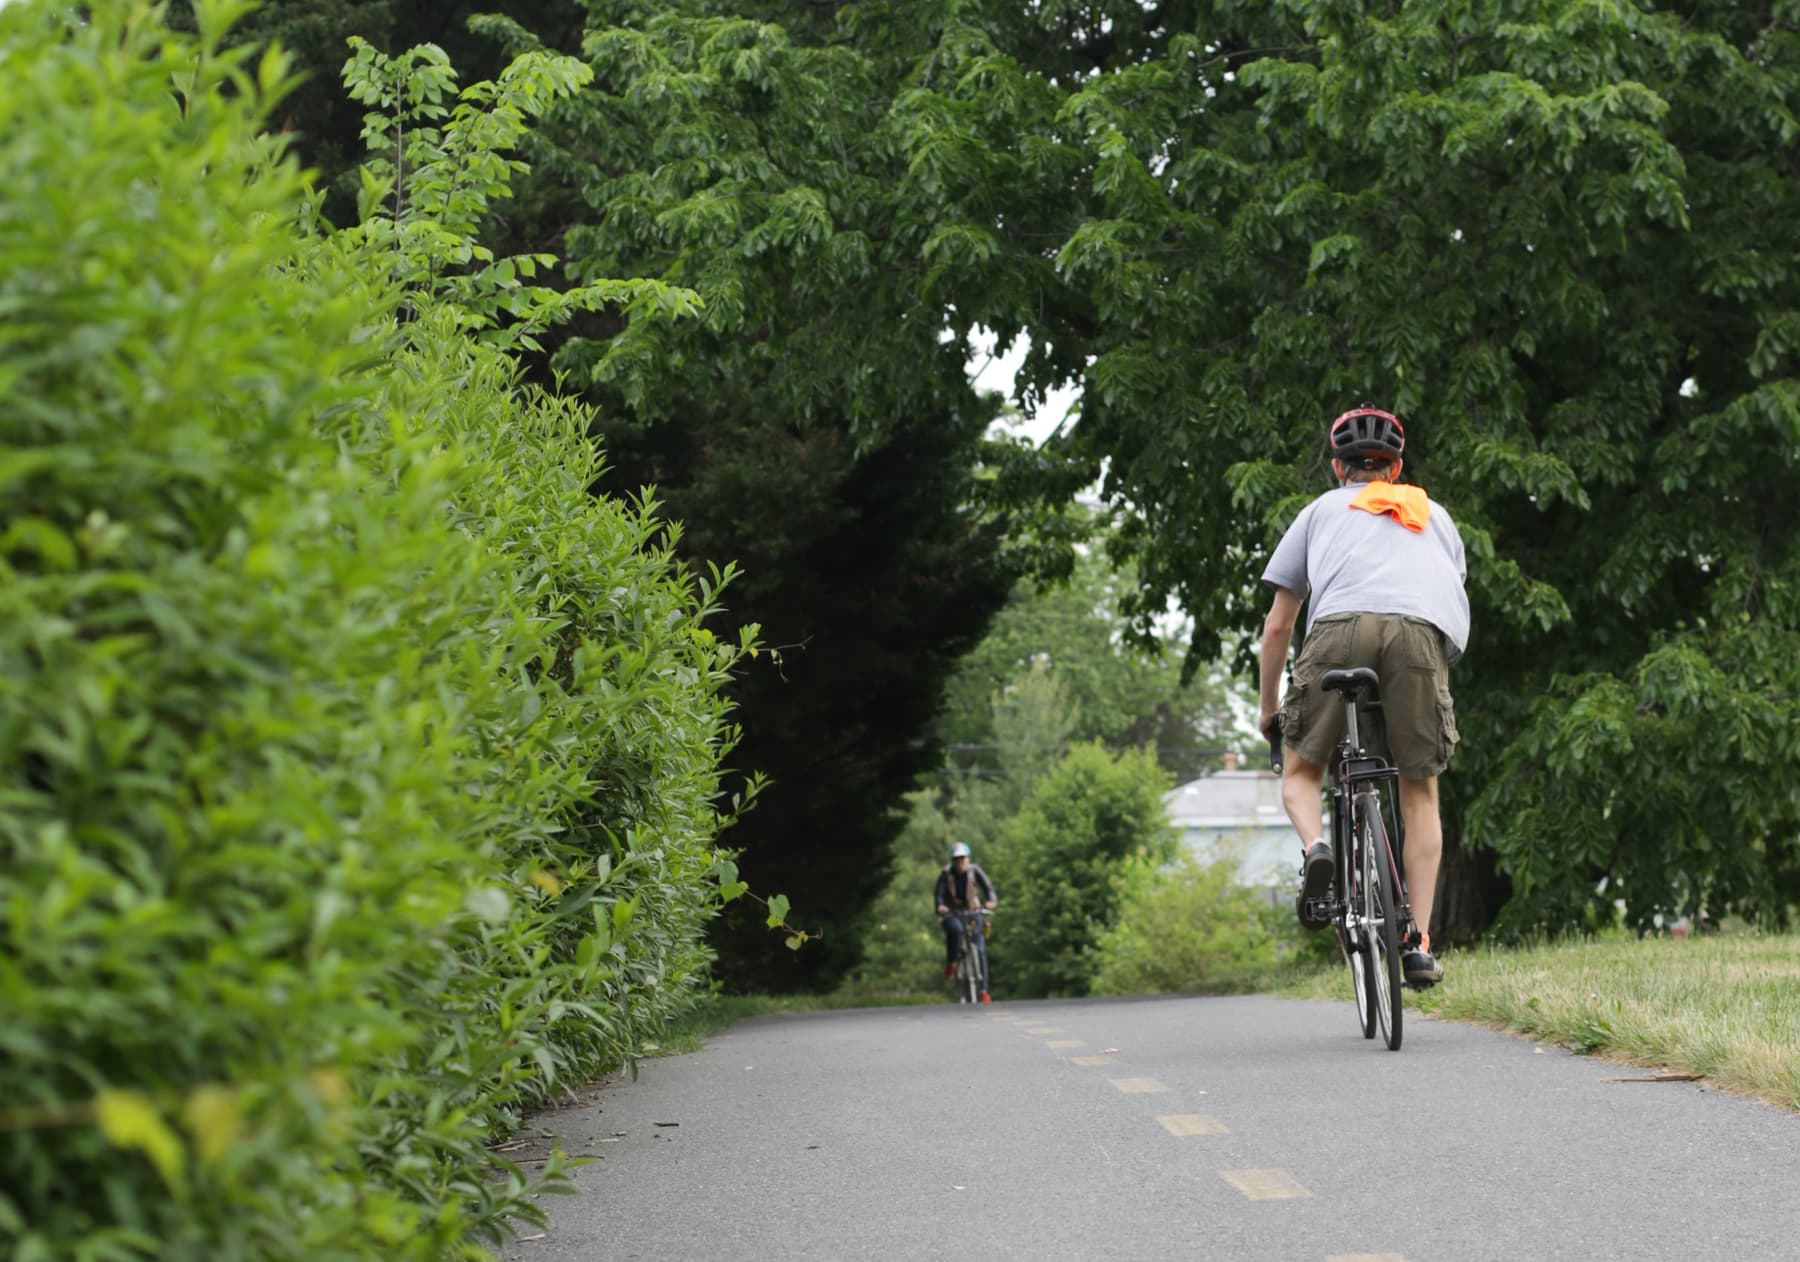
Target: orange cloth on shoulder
1409, 505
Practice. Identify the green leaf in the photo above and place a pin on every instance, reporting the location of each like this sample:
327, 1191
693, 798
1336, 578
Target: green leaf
778, 910
215, 1118
129, 1120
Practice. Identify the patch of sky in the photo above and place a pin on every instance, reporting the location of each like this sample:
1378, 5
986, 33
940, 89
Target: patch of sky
995, 368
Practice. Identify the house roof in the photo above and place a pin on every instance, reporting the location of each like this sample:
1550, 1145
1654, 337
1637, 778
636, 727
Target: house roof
1227, 800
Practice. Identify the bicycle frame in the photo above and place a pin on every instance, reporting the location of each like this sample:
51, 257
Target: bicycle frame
1354, 771
971, 966
1370, 910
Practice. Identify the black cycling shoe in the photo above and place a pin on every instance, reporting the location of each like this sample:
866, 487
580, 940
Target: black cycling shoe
1420, 969
1313, 905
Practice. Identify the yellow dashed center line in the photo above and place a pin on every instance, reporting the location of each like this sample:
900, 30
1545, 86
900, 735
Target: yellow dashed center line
1042, 1029
1137, 1086
1065, 1043
1265, 1185
1089, 1062
1192, 1124
1002, 1016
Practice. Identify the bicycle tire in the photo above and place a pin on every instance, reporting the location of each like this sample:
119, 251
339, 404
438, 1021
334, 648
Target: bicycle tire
1362, 977
1381, 896
968, 971
1356, 944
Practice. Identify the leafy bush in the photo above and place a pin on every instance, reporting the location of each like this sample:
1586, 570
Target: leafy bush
359, 766
1622, 787
1057, 861
1187, 927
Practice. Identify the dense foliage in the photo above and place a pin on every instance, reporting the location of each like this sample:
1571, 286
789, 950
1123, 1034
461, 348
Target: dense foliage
1060, 858
1054, 671
1555, 234
1117, 692
326, 126
809, 426
359, 765
864, 556
1189, 927
903, 946
1557, 237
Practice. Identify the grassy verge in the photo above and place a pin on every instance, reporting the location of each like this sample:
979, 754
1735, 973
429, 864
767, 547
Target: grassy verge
1724, 1007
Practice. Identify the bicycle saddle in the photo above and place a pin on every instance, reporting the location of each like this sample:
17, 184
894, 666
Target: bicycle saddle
1352, 682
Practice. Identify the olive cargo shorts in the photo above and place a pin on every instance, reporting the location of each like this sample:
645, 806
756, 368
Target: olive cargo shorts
1408, 655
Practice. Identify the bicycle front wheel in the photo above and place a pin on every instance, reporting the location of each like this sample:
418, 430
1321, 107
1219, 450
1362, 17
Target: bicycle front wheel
1353, 939
1362, 974
968, 976
1381, 917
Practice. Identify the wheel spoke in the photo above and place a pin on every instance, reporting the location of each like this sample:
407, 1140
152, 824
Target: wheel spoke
1381, 895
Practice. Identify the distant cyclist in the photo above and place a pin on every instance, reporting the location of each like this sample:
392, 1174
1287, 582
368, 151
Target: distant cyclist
1384, 568
963, 887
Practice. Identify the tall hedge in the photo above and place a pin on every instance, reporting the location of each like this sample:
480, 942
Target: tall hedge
357, 767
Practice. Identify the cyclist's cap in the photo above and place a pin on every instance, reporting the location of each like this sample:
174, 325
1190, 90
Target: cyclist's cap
959, 851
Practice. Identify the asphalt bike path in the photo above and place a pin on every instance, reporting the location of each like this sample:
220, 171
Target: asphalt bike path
1230, 1128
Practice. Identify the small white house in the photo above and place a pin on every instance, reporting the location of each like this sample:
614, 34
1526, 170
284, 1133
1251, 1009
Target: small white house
1237, 815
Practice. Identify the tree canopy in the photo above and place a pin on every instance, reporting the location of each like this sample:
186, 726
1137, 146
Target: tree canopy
318, 117
1117, 691
1555, 235
813, 426
1552, 236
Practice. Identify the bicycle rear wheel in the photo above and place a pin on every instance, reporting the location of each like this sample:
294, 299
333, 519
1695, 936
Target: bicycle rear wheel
1381, 903
1353, 940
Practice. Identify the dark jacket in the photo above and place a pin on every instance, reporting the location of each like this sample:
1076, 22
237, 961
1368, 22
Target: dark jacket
945, 895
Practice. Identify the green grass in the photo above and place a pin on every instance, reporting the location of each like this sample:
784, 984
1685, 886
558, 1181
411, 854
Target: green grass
1726, 1007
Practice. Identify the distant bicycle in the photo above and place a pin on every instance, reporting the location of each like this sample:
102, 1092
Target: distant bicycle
1368, 905
970, 957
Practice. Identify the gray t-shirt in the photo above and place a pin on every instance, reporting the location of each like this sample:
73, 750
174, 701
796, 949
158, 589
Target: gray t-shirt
1354, 561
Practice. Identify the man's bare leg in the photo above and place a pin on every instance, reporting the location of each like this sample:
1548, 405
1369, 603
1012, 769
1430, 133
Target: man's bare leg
1300, 795
1301, 780
1424, 844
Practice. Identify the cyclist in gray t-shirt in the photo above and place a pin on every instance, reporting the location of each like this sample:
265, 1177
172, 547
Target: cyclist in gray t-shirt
1384, 568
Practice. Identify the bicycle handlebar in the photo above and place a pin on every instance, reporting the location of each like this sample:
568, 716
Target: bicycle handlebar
1275, 747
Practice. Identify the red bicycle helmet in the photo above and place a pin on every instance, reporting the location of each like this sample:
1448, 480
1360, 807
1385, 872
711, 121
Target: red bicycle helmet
1367, 436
